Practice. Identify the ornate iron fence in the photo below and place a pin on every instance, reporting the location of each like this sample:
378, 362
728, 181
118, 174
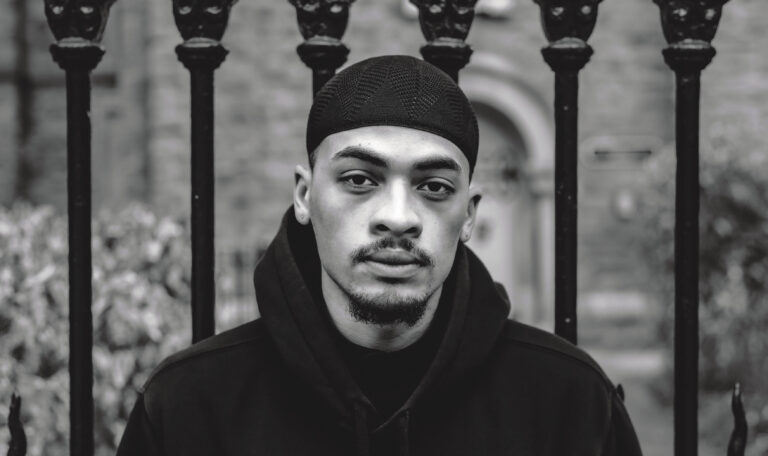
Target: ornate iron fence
689, 27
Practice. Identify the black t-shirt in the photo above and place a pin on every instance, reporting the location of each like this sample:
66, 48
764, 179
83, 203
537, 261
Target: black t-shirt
388, 378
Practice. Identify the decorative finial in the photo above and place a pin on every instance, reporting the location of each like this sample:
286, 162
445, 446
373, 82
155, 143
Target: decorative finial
690, 19
445, 19
568, 18
445, 25
202, 18
326, 18
567, 25
84, 19
689, 27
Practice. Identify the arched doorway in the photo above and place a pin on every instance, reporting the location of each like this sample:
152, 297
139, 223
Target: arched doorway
514, 235
503, 230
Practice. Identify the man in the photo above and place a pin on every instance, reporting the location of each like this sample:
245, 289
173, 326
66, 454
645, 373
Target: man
381, 333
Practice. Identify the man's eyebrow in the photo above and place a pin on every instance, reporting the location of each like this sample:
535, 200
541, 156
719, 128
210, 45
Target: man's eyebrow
438, 163
367, 155
363, 154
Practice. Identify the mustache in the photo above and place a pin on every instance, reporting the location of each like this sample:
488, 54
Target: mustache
362, 253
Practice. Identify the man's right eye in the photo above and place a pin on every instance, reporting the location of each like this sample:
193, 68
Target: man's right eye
358, 181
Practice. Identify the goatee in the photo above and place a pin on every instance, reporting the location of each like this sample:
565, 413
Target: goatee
385, 311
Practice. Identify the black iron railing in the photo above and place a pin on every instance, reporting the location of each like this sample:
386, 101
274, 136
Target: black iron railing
567, 26
78, 27
202, 25
688, 25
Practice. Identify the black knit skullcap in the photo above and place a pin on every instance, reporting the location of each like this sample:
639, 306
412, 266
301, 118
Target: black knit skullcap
394, 90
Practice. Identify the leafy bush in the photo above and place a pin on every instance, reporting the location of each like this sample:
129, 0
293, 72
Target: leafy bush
140, 315
733, 275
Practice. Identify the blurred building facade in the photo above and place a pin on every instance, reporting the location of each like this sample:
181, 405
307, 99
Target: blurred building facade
140, 113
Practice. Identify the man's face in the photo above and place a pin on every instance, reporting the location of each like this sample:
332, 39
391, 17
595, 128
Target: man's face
388, 206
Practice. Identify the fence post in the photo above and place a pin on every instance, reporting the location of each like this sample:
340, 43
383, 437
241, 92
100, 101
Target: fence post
322, 24
445, 25
567, 25
689, 26
18, 444
202, 25
78, 27
738, 441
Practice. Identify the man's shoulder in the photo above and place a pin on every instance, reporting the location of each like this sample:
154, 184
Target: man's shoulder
550, 351
228, 349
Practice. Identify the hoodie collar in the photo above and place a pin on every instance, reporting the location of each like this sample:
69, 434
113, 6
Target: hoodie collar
288, 277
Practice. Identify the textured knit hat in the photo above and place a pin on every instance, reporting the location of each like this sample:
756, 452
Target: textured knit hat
394, 90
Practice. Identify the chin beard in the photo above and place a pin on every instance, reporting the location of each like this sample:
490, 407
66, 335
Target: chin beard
388, 309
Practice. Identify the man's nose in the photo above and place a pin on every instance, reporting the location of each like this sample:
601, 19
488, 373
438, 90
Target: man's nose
396, 214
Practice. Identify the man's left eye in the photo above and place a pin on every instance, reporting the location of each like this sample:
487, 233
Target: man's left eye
436, 188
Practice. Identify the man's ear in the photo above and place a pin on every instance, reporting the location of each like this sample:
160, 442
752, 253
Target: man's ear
301, 194
475, 195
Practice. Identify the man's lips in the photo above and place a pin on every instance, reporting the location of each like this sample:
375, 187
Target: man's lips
393, 264
393, 258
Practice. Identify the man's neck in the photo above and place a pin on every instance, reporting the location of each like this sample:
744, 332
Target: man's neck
386, 338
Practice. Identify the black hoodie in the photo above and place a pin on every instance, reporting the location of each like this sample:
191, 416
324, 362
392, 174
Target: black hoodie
280, 386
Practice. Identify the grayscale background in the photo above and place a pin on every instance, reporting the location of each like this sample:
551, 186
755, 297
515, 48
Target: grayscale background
141, 179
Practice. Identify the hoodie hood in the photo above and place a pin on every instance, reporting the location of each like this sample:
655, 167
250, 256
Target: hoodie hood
288, 277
